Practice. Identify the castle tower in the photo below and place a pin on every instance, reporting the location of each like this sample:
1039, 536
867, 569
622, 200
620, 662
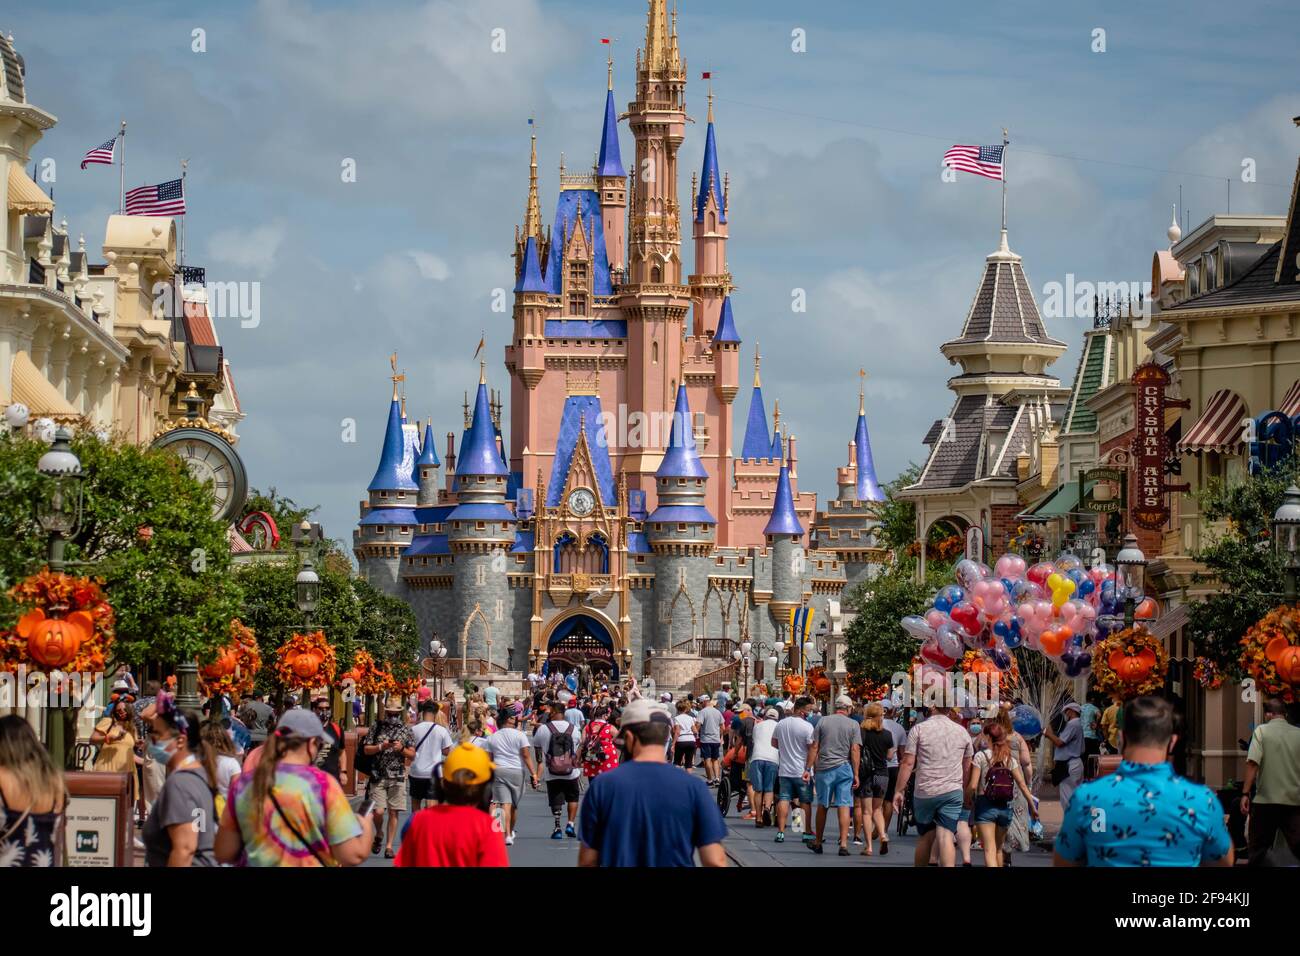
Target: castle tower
427, 469
611, 181
387, 516
711, 281
480, 530
681, 532
726, 383
784, 535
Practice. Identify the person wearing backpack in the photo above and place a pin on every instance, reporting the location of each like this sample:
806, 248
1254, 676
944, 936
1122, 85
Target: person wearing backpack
991, 787
557, 743
598, 751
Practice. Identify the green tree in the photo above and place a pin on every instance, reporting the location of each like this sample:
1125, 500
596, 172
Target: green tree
876, 646
147, 530
286, 512
1242, 561
897, 516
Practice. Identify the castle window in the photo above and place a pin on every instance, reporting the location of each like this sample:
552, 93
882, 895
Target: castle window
578, 304
480, 526
401, 494
519, 559
577, 271
424, 562
656, 275
681, 527
403, 530
654, 352
481, 479
681, 481
383, 494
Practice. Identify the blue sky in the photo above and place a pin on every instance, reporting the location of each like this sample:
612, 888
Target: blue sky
833, 155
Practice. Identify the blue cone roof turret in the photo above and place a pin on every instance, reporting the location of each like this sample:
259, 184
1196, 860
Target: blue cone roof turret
609, 163
479, 454
783, 520
428, 451
758, 440
868, 487
391, 475
681, 460
727, 326
710, 179
530, 276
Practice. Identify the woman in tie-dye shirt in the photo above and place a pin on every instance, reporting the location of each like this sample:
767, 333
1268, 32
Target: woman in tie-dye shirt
287, 812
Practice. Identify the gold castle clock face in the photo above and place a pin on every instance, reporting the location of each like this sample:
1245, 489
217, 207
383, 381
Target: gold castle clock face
214, 462
582, 502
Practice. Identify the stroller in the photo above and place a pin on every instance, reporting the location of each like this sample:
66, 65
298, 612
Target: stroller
907, 816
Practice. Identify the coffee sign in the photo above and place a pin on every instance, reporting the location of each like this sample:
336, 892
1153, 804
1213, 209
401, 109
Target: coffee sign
1103, 490
1148, 506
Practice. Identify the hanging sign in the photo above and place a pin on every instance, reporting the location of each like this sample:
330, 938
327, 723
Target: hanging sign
1148, 504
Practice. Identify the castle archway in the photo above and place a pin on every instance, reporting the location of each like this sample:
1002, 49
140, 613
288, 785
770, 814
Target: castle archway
584, 643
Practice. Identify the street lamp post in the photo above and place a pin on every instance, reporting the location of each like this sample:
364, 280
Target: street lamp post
58, 511
1286, 540
745, 648
307, 593
1130, 574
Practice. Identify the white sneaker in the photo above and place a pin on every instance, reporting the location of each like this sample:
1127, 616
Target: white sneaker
512, 835
510, 840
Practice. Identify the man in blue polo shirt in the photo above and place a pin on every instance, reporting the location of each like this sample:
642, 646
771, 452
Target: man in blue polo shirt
1144, 814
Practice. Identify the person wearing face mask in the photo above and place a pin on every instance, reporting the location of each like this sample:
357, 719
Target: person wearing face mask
115, 737
994, 777
180, 830
289, 812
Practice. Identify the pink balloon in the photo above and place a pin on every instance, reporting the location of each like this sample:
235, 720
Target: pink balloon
1010, 566
934, 617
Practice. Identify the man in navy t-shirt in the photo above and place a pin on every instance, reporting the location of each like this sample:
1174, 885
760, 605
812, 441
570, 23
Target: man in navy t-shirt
647, 812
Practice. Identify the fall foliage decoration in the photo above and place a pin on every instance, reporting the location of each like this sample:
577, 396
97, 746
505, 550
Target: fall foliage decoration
1130, 663
818, 683
1270, 653
305, 660
793, 683
235, 666
68, 625
1207, 674
977, 662
370, 678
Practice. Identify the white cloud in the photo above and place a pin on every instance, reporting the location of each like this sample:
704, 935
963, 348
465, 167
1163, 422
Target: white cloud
251, 251
430, 266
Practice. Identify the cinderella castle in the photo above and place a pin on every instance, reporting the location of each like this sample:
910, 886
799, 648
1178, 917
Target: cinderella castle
622, 524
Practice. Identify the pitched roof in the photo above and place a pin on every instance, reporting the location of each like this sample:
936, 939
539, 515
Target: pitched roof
390, 475
581, 415
1092, 376
479, 454
783, 519
566, 217
710, 180
1004, 309
681, 460
955, 457
758, 441
868, 487
726, 331
609, 163
530, 276
428, 450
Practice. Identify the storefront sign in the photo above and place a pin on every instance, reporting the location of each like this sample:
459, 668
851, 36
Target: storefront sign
98, 819
975, 543
1108, 491
1148, 506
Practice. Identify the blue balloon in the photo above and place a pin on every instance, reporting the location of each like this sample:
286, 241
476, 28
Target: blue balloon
1001, 658
1009, 632
949, 596
1026, 720
1076, 575
1086, 587
1009, 586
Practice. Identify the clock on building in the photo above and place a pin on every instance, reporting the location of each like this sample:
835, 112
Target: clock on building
581, 502
211, 460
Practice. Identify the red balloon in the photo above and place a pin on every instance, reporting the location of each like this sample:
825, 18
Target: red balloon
967, 617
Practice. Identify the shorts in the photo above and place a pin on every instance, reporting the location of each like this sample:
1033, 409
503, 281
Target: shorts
796, 788
893, 784
943, 810
560, 792
388, 794
762, 775
872, 785
835, 786
684, 754
425, 788
709, 751
986, 811
508, 786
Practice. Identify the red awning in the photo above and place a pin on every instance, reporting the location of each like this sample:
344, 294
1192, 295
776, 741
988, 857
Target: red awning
1219, 428
1290, 406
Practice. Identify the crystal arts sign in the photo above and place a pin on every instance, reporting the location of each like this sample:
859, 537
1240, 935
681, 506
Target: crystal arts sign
1149, 507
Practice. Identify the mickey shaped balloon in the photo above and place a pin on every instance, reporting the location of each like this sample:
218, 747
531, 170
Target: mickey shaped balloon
947, 597
966, 616
1010, 566
1061, 587
917, 627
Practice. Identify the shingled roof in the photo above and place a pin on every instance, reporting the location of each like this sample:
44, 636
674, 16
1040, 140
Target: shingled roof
956, 453
1004, 309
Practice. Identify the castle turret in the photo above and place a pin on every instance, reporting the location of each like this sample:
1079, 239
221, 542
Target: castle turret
427, 469
681, 529
388, 516
711, 281
758, 440
480, 529
611, 181
784, 535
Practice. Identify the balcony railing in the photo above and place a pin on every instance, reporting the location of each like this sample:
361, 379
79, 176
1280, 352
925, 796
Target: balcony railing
711, 680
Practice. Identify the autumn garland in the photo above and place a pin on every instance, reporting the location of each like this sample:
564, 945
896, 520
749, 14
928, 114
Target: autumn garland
57, 595
370, 677
1270, 653
1207, 674
305, 660
1130, 663
236, 665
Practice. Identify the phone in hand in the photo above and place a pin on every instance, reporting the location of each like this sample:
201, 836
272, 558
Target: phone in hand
367, 807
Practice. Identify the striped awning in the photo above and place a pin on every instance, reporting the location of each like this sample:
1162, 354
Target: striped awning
1219, 428
24, 195
1290, 406
34, 390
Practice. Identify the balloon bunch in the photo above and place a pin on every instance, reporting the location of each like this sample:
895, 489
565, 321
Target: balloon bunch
1059, 608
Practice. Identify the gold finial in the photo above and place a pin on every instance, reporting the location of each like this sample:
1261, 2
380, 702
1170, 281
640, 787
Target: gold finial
482, 372
710, 96
532, 211
757, 361
776, 415
610, 64
862, 391
392, 360
561, 164
465, 406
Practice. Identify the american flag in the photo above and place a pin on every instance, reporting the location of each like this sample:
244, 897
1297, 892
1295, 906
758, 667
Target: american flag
165, 199
102, 155
980, 160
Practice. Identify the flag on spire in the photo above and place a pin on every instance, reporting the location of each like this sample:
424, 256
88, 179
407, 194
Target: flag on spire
983, 161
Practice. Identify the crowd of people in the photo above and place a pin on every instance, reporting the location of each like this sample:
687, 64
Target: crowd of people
630, 779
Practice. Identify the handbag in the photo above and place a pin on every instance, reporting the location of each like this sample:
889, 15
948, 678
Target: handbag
294, 830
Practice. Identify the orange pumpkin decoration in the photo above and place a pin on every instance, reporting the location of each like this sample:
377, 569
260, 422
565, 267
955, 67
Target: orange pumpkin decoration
306, 664
1286, 659
54, 641
225, 664
1132, 668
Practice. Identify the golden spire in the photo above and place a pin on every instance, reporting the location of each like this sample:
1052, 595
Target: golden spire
862, 391
482, 372
392, 360
776, 415
532, 212
757, 361
610, 64
657, 39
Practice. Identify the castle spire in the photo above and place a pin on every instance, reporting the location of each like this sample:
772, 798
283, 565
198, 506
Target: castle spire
532, 211
479, 454
784, 520
428, 450
391, 475
868, 488
658, 41
758, 440
608, 161
710, 178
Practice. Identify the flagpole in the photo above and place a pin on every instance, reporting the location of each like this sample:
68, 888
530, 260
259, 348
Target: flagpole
184, 165
121, 170
1005, 142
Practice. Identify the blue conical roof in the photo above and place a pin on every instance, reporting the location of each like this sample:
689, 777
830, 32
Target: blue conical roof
680, 457
758, 442
710, 179
868, 487
727, 326
783, 520
479, 454
428, 451
391, 475
530, 277
609, 163
776, 445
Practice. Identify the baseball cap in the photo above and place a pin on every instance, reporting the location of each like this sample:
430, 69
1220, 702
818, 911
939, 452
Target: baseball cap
772, 714
642, 711
469, 757
844, 700
299, 722
665, 697
1073, 706
704, 697
787, 705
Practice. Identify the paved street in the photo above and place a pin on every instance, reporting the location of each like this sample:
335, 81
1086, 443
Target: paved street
745, 846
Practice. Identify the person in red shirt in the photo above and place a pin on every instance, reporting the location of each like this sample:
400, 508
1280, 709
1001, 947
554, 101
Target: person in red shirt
460, 831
